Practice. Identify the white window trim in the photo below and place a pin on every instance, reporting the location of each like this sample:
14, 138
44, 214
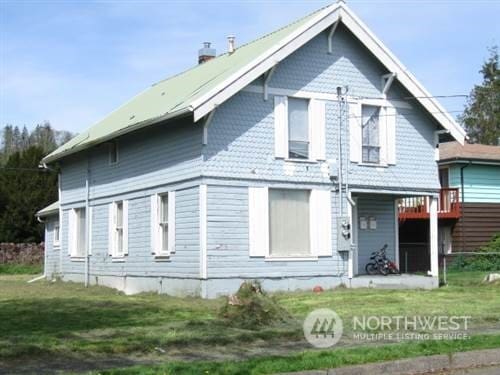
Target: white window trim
156, 234
112, 230
73, 234
259, 235
56, 241
387, 132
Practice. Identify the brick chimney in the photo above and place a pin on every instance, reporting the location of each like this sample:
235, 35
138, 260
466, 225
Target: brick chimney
206, 53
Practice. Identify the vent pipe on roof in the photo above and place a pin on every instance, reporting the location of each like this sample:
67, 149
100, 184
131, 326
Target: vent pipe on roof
231, 43
206, 53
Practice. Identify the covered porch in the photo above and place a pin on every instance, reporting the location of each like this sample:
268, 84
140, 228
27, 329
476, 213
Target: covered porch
375, 223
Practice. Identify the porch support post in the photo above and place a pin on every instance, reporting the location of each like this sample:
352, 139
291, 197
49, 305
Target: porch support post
433, 231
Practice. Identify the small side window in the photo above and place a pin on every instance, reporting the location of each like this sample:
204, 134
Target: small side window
56, 234
113, 152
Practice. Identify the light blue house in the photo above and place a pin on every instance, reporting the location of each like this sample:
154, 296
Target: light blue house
281, 160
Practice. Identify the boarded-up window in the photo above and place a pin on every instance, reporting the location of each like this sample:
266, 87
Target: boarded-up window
289, 222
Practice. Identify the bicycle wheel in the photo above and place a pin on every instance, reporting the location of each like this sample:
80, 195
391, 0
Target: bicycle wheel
371, 269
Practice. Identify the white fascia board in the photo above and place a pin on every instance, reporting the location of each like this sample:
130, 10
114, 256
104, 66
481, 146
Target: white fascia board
266, 61
374, 45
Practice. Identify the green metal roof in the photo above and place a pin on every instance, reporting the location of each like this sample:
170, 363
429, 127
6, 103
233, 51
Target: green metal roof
172, 97
51, 209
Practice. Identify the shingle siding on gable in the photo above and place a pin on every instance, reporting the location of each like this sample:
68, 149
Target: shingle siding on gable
311, 68
241, 135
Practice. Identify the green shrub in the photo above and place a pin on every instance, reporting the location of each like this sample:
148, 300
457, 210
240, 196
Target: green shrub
251, 308
18, 269
482, 262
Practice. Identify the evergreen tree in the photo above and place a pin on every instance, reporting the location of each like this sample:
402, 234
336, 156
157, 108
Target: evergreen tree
481, 117
24, 189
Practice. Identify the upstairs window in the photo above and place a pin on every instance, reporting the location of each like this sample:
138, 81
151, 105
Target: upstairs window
298, 128
370, 134
113, 152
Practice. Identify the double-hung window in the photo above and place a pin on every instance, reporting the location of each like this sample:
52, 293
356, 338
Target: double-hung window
163, 223
118, 228
77, 235
298, 128
371, 134
57, 234
289, 222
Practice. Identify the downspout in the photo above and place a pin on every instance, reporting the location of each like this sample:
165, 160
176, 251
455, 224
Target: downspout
44, 260
87, 224
339, 148
462, 206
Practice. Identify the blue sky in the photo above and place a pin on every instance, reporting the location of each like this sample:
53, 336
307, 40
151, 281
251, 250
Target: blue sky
72, 62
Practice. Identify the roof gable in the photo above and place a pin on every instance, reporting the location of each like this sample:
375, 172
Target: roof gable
201, 89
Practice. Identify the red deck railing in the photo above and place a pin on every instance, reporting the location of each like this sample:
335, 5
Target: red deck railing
418, 207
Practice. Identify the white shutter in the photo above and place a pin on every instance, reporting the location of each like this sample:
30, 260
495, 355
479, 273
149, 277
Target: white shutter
125, 227
320, 222
72, 235
382, 135
111, 229
171, 221
391, 135
355, 132
90, 226
281, 126
317, 122
154, 224
258, 221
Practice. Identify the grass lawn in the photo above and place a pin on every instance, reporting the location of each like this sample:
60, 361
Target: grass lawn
67, 322
20, 269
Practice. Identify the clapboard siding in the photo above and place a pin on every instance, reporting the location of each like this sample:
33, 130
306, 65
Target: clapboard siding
51, 264
241, 133
481, 182
382, 208
140, 261
479, 222
228, 242
158, 156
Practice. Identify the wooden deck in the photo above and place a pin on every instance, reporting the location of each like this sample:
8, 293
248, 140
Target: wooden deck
418, 207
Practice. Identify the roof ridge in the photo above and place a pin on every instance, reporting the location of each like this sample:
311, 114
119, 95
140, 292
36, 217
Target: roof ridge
242, 46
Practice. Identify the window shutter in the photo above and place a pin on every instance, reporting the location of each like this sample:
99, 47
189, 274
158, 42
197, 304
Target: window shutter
281, 126
382, 135
72, 235
90, 226
258, 221
320, 223
125, 227
171, 221
154, 224
391, 135
317, 121
111, 228
355, 132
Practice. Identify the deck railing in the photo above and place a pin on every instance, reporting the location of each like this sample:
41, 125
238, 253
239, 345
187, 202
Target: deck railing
418, 207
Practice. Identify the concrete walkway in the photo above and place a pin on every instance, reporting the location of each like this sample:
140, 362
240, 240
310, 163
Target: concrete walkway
479, 360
